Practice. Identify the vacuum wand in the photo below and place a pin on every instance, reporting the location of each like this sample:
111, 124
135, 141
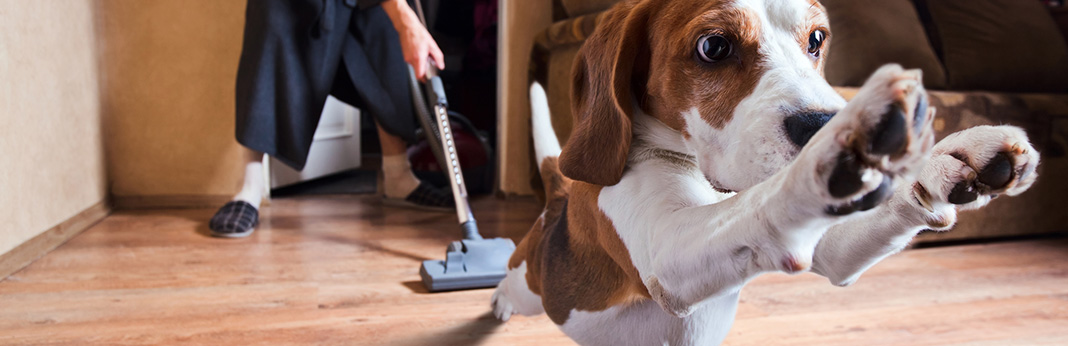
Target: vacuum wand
436, 93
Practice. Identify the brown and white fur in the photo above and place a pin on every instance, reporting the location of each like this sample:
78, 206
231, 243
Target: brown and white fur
680, 181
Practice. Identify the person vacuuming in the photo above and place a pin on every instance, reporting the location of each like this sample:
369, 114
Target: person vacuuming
297, 53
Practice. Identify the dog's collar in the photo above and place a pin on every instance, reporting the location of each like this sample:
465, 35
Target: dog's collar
642, 151
676, 159
673, 157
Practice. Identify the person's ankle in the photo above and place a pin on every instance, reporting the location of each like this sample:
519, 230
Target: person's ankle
252, 190
397, 178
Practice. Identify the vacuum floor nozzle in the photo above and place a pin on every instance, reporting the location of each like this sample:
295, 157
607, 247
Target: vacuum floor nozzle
468, 264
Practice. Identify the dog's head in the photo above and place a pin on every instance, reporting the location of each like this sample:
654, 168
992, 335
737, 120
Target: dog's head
740, 80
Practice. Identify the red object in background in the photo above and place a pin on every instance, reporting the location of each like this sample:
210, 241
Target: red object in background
469, 149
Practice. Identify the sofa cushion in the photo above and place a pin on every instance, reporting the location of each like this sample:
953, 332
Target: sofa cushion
999, 45
581, 7
867, 34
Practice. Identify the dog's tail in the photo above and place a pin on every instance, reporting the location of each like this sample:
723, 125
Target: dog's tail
546, 145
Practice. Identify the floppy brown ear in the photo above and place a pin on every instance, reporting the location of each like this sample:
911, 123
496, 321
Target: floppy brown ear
603, 77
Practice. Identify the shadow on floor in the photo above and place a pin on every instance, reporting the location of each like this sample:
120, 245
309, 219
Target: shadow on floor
416, 287
470, 333
369, 246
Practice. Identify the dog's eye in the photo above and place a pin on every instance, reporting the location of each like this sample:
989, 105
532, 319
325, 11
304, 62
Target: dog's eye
713, 48
815, 42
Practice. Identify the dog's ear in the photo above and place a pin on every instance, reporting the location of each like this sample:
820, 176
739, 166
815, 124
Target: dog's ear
605, 78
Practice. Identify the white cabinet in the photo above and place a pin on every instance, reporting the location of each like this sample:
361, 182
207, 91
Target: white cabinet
335, 147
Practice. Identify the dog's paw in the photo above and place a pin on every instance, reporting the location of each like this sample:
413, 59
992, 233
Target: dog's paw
502, 307
882, 136
970, 168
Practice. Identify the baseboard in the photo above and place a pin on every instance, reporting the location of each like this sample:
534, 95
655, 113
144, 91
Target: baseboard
169, 201
43, 243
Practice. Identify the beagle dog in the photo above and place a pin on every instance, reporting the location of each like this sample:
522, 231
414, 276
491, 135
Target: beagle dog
708, 149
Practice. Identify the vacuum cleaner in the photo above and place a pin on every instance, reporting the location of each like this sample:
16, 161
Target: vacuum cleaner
473, 262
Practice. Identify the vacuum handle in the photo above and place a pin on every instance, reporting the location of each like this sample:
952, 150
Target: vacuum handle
435, 87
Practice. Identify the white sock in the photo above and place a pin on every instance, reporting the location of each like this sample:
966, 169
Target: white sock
252, 191
397, 178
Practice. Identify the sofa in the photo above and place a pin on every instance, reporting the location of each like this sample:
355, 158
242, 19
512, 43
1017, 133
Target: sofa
984, 62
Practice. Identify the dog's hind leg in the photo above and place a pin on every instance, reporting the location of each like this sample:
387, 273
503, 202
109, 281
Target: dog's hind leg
513, 295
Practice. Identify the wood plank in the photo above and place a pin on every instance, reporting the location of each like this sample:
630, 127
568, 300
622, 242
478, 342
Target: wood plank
344, 270
38, 246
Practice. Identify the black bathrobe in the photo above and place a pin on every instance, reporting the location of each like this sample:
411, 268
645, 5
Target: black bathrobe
297, 52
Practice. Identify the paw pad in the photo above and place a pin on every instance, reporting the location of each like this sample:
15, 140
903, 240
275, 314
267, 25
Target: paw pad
996, 175
869, 201
998, 172
845, 180
963, 193
890, 136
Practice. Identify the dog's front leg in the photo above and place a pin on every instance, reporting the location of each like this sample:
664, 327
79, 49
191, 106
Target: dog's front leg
698, 253
692, 254
966, 171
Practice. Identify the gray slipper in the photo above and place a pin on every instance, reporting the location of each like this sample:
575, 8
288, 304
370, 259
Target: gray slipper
425, 196
235, 219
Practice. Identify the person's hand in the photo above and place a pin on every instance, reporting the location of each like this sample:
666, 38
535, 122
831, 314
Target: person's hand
416, 43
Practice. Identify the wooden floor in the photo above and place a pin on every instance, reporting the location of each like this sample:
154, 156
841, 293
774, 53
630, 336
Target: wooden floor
344, 270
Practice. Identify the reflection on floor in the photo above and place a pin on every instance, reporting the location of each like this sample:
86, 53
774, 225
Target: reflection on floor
344, 270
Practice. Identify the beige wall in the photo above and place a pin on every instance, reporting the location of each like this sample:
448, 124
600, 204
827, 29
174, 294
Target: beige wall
51, 154
521, 20
170, 67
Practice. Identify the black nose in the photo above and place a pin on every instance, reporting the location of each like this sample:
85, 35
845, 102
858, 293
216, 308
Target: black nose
801, 126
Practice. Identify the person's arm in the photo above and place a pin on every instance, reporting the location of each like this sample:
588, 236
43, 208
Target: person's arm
416, 42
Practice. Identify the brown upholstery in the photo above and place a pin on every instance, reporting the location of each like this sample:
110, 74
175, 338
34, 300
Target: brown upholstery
581, 7
567, 32
1000, 45
892, 28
